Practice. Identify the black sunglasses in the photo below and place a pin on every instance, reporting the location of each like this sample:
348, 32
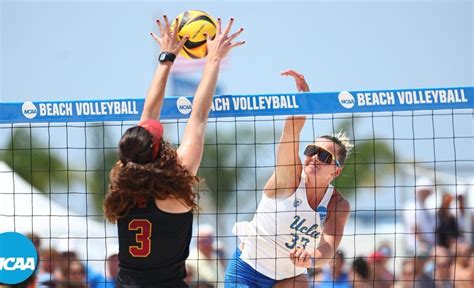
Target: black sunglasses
323, 155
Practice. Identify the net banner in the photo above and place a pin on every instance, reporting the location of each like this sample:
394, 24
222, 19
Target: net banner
244, 105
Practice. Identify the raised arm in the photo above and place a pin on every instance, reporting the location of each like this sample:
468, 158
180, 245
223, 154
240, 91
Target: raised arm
168, 43
286, 177
191, 149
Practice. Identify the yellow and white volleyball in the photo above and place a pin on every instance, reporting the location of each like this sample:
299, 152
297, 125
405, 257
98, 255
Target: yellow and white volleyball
195, 24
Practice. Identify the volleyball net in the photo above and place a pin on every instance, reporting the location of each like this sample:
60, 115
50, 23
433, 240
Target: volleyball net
55, 158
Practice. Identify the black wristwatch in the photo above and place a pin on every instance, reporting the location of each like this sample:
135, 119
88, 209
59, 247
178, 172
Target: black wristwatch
166, 57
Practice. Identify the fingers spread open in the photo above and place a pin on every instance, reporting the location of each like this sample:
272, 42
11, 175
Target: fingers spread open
167, 23
175, 30
157, 39
219, 26
240, 43
233, 36
229, 26
208, 37
160, 26
181, 43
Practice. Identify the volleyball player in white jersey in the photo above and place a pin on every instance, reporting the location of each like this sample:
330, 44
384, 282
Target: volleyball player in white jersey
300, 219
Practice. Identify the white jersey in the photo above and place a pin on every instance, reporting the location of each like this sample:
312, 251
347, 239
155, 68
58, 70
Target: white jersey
279, 225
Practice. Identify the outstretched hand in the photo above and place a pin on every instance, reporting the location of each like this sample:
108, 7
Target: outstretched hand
169, 41
301, 84
222, 43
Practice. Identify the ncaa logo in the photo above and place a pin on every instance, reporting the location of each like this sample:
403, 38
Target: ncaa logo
323, 212
18, 258
29, 110
346, 99
184, 105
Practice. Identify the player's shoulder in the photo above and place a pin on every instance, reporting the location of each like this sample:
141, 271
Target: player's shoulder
339, 202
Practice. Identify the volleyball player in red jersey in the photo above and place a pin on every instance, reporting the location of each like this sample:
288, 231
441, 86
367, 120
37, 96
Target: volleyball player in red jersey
151, 193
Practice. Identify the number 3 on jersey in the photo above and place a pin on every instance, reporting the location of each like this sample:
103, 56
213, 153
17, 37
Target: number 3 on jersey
295, 237
142, 238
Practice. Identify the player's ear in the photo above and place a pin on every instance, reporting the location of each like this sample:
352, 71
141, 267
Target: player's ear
337, 172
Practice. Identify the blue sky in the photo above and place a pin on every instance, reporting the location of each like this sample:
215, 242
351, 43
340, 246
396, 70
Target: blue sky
73, 50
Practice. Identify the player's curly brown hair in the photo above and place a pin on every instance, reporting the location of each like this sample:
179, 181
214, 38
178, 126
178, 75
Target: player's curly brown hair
137, 176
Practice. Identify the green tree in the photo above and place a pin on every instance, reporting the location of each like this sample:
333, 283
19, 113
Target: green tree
230, 165
40, 163
371, 160
34, 161
102, 155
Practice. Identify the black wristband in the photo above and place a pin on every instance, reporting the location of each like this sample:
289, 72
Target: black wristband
166, 57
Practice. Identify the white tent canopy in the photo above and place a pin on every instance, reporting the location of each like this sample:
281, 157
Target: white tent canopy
24, 209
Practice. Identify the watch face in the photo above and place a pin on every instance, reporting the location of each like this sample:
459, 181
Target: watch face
165, 56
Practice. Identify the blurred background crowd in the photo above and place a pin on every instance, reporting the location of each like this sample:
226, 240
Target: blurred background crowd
438, 253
